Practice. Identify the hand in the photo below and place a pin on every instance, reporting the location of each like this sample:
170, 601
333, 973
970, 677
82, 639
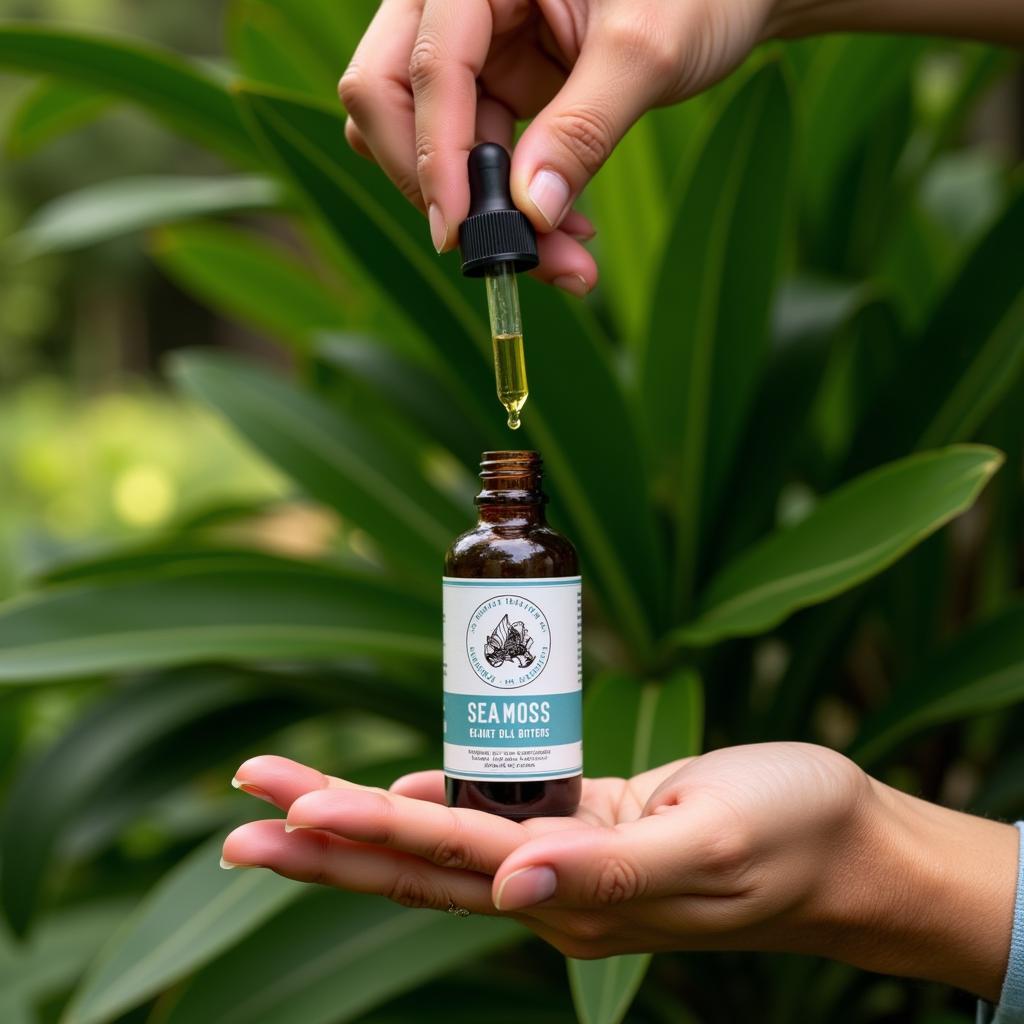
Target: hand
433, 77
781, 846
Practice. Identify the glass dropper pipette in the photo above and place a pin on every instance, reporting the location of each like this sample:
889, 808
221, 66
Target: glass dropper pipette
498, 242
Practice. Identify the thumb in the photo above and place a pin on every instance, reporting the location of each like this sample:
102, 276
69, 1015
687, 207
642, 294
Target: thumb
614, 81
681, 851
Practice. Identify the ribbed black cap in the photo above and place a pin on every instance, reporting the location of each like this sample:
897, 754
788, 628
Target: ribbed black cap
495, 231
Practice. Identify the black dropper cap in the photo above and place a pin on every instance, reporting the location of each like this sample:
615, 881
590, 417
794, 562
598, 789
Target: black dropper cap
495, 231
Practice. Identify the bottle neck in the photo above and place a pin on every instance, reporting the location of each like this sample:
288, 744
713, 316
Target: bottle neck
511, 494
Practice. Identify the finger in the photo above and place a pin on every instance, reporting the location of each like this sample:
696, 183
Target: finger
686, 851
565, 263
376, 93
449, 53
568, 141
325, 859
577, 226
451, 838
281, 781
354, 137
524, 78
494, 122
427, 785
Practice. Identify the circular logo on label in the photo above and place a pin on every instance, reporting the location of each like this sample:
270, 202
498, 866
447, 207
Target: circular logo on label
508, 641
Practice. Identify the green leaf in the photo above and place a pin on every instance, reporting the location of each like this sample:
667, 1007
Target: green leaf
660, 723
269, 47
811, 320
630, 726
704, 348
335, 458
238, 273
115, 208
629, 234
969, 354
854, 534
409, 387
188, 613
333, 29
142, 562
195, 913
387, 237
981, 671
55, 956
186, 98
850, 81
49, 110
332, 957
134, 734
574, 428
603, 990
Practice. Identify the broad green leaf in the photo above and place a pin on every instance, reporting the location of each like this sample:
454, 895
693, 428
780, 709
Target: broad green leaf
187, 98
629, 233
133, 735
630, 727
335, 458
54, 957
239, 273
704, 348
333, 29
406, 385
967, 357
575, 428
981, 671
48, 111
862, 200
269, 47
195, 913
386, 238
189, 613
850, 81
145, 561
854, 534
810, 322
332, 957
603, 990
111, 209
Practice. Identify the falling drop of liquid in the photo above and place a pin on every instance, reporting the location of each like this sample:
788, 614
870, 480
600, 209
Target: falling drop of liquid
513, 419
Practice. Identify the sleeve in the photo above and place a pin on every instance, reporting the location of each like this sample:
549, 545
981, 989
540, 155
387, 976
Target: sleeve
1011, 1000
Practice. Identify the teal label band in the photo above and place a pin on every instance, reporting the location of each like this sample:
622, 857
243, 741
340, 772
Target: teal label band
513, 721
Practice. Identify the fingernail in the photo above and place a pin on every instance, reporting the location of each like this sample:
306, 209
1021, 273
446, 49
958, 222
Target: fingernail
525, 888
248, 787
438, 227
549, 192
228, 865
574, 284
584, 236
293, 828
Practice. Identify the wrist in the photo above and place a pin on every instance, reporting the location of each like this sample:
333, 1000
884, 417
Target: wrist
930, 894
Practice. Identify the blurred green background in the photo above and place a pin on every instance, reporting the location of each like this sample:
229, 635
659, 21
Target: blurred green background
241, 407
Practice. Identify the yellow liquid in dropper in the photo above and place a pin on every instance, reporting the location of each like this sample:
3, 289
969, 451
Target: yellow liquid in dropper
510, 374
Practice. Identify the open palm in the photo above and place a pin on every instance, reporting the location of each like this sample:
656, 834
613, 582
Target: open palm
709, 852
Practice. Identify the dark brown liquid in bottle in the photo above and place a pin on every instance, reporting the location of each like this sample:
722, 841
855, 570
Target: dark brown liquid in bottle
512, 540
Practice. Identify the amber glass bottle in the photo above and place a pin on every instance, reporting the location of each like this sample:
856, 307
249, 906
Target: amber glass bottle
512, 642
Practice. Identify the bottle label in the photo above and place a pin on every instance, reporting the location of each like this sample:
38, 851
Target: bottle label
513, 678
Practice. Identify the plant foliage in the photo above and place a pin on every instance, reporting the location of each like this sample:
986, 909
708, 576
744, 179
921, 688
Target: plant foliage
749, 432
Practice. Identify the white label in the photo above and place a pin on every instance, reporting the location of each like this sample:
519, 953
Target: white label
513, 678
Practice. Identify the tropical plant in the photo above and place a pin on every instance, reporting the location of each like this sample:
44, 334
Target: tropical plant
804, 362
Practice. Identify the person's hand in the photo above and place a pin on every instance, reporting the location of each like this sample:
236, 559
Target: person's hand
433, 77
781, 846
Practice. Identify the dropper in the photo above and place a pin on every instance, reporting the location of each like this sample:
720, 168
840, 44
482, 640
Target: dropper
497, 243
